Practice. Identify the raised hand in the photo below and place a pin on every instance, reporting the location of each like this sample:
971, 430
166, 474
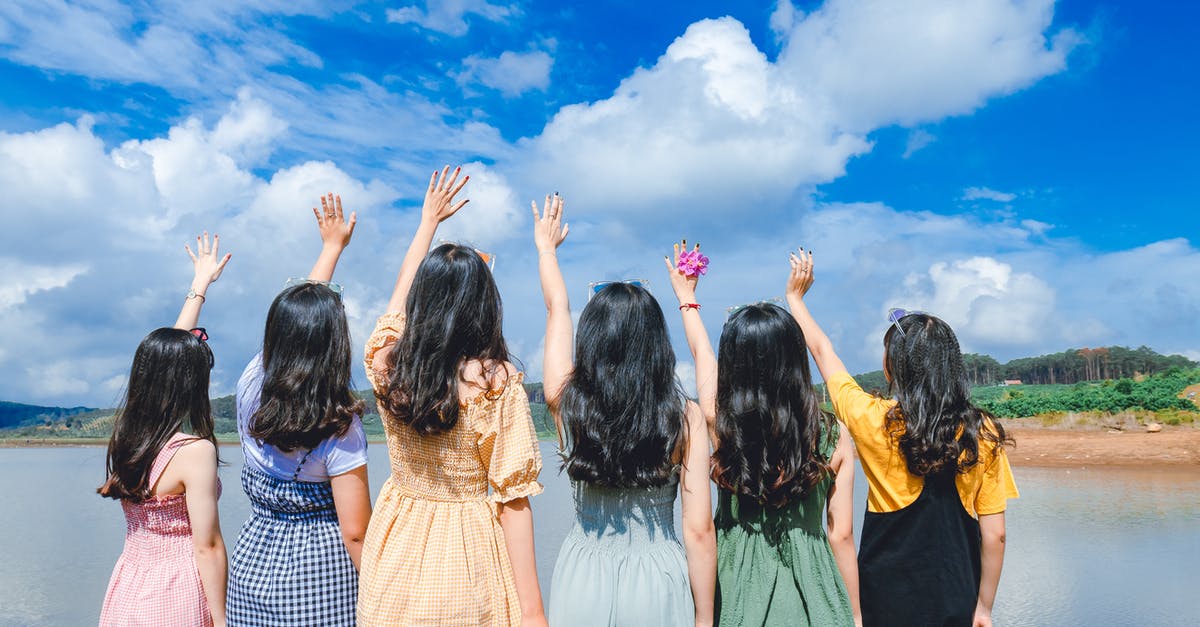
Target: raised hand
548, 228
684, 285
335, 230
439, 198
801, 277
206, 261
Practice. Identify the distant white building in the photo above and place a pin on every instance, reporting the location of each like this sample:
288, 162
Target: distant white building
1008, 382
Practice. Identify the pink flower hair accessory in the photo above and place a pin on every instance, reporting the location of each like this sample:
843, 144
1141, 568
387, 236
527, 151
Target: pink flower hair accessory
692, 263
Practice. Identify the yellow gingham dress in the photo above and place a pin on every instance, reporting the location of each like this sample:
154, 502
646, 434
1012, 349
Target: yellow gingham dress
434, 552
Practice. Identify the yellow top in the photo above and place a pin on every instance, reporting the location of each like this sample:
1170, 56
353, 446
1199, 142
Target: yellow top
434, 553
984, 489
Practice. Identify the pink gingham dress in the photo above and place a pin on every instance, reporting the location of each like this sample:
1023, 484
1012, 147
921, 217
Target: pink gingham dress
155, 582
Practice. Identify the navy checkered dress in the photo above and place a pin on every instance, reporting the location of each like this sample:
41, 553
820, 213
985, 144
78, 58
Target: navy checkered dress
290, 566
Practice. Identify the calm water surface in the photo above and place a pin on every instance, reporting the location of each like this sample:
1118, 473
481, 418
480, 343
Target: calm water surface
1086, 547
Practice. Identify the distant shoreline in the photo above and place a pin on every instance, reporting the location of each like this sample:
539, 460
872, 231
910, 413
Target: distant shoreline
1036, 446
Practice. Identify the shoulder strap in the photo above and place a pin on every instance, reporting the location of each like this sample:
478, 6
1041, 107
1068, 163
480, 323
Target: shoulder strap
296, 473
165, 455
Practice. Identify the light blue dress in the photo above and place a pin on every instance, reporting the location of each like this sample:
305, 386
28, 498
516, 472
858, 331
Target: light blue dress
622, 564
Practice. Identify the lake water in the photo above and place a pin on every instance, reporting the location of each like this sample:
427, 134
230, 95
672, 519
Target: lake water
1086, 547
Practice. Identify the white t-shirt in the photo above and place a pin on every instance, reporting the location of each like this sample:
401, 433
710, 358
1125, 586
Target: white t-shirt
333, 456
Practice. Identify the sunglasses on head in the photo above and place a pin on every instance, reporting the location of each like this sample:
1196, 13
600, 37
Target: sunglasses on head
777, 301
896, 314
489, 259
202, 336
595, 286
294, 281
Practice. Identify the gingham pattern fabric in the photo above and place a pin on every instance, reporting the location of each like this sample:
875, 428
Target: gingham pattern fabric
434, 554
155, 582
290, 567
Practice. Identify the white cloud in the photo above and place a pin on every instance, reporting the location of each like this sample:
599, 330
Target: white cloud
783, 19
22, 280
917, 139
985, 193
512, 73
713, 124
449, 16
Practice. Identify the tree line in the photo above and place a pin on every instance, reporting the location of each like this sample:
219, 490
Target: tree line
1073, 366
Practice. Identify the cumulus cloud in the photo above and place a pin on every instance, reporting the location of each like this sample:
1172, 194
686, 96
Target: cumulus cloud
512, 73
917, 139
449, 17
985, 193
714, 125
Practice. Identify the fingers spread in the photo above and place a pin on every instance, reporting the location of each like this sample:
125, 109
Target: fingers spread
190, 253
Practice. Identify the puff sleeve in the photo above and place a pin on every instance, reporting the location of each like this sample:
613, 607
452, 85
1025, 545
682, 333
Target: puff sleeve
387, 330
508, 445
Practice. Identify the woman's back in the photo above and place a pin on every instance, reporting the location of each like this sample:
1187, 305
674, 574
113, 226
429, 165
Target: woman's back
775, 565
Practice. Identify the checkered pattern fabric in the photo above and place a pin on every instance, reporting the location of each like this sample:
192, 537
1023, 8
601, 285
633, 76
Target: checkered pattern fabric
434, 554
155, 582
290, 567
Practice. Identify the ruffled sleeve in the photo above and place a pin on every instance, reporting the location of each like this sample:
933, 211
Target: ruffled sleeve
387, 330
508, 444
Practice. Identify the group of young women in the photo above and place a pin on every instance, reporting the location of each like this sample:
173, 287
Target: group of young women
449, 540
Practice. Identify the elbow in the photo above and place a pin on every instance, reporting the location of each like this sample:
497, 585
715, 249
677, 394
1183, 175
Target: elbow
700, 533
209, 548
354, 536
841, 537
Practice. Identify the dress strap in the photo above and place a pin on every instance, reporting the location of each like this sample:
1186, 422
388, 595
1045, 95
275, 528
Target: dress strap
296, 473
165, 455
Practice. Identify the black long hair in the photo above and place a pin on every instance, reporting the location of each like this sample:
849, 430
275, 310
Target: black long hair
453, 314
939, 429
306, 394
769, 424
168, 388
622, 406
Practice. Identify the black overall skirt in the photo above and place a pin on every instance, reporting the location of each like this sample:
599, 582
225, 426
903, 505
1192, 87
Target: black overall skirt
919, 566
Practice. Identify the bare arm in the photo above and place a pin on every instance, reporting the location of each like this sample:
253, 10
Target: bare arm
548, 233
840, 519
439, 205
991, 562
208, 266
799, 281
352, 502
335, 236
699, 534
199, 466
697, 338
516, 520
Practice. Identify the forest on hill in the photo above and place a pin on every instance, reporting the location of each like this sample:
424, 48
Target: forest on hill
1073, 366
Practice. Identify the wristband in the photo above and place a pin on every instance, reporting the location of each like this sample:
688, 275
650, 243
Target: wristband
686, 306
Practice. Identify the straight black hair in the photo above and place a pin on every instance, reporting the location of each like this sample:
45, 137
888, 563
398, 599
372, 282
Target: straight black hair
168, 388
453, 314
938, 428
622, 406
769, 424
306, 393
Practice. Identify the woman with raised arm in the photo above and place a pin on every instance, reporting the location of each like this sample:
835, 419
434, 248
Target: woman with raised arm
173, 567
440, 549
305, 452
937, 473
780, 465
627, 433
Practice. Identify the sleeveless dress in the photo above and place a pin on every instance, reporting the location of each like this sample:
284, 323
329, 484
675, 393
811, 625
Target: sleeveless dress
435, 554
290, 566
155, 582
775, 566
622, 565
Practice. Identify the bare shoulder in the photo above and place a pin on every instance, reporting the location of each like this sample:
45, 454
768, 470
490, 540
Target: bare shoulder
197, 451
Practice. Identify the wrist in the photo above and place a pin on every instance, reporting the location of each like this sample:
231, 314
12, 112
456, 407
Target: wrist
199, 286
333, 247
547, 251
685, 306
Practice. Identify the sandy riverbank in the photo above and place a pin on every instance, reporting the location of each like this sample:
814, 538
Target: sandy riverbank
1056, 447
1177, 447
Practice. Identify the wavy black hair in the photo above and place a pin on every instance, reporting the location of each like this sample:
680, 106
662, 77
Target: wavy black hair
622, 406
769, 424
306, 392
454, 314
168, 388
938, 429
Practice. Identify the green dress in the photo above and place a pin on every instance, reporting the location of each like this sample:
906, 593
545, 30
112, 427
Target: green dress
774, 566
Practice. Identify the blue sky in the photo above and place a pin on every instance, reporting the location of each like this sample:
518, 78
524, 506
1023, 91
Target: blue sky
1023, 168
